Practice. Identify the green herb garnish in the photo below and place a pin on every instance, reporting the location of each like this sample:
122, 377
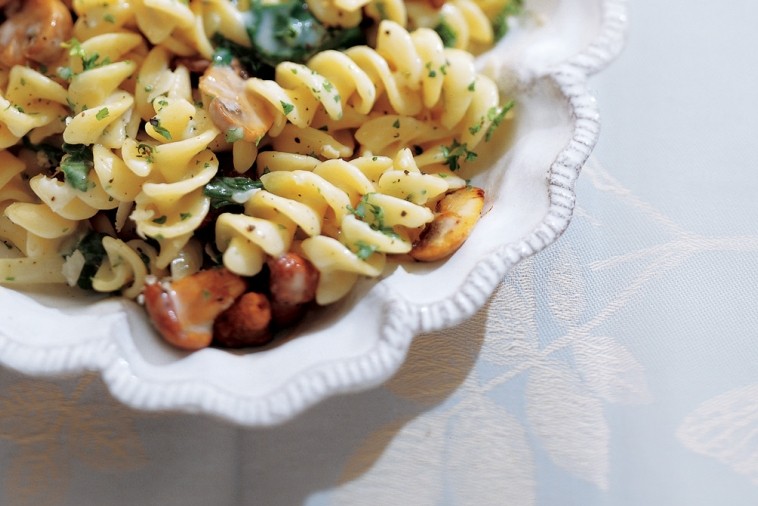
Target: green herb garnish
455, 152
229, 191
364, 250
146, 151
155, 122
88, 61
371, 214
287, 107
497, 115
447, 33
234, 134
48, 156
500, 22
76, 165
91, 248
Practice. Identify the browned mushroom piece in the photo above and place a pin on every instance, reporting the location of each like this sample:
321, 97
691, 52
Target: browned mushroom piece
35, 33
292, 283
457, 214
245, 323
196, 65
231, 107
293, 279
286, 315
184, 311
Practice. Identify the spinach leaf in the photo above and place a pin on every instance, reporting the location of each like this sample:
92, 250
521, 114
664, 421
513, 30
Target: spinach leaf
76, 164
91, 248
48, 156
279, 32
289, 32
226, 50
230, 191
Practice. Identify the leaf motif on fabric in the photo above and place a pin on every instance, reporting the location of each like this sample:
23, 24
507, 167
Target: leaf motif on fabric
511, 318
565, 287
405, 459
569, 421
36, 476
726, 428
31, 410
610, 370
103, 436
45, 423
437, 364
487, 445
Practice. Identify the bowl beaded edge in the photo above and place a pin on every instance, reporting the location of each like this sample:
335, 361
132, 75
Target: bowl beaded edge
97, 353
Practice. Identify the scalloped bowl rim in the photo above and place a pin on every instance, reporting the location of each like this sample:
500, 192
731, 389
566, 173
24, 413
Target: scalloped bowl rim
408, 319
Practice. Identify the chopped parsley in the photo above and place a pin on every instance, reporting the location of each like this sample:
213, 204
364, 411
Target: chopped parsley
447, 33
88, 61
65, 73
431, 72
364, 250
500, 22
146, 151
497, 115
102, 114
234, 134
373, 215
155, 122
455, 152
287, 107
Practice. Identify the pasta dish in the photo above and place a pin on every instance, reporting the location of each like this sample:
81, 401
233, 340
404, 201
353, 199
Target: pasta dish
229, 164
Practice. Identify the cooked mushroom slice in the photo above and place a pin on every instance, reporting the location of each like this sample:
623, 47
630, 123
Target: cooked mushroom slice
292, 283
35, 33
245, 323
286, 315
231, 108
457, 214
196, 65
184, 311
293, 279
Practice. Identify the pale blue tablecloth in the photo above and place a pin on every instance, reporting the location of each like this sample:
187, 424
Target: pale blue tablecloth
618, 367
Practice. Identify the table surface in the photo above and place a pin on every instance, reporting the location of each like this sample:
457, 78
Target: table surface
618, 367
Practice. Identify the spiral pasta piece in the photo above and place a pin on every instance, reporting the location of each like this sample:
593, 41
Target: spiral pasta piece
171, 136
351, 214
31, 101
409, 91
171, 205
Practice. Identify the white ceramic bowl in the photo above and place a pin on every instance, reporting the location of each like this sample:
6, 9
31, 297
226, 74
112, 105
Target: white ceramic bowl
544, 64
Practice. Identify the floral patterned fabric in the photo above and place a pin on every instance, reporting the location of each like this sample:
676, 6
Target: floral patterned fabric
618, 367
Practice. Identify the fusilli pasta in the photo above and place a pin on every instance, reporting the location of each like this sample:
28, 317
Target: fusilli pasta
182, 153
